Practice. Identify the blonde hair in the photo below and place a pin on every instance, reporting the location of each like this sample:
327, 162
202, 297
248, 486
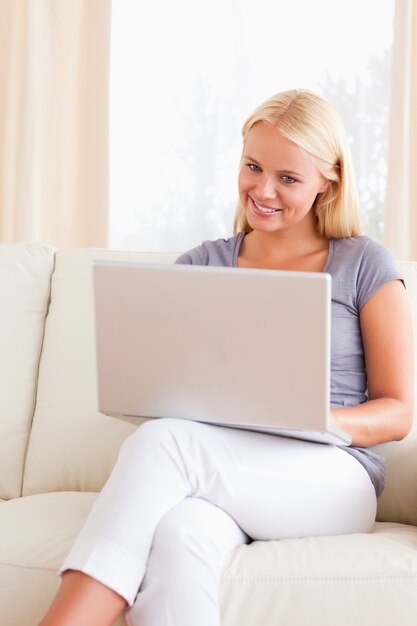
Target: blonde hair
311, 122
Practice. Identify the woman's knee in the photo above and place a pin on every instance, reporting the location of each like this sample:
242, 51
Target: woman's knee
181, 583
198, 528
152, 433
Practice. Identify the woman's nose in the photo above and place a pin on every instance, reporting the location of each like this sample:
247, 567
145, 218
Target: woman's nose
267, 188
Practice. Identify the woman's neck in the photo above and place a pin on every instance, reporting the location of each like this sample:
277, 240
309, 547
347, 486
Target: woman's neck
283, 250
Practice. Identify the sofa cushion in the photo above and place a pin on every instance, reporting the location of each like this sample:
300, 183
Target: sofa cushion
68, 434
274, 582
37, 532
346, 580
25, 276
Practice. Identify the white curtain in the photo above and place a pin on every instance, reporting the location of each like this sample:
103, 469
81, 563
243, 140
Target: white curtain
401, 200
185, 75
54, 84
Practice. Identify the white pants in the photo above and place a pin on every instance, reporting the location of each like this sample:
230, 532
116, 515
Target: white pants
183, 494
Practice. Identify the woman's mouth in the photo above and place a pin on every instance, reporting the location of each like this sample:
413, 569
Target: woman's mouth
263, 210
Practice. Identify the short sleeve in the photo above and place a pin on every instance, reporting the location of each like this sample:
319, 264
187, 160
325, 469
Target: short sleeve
378, 266
195, 256
221, 252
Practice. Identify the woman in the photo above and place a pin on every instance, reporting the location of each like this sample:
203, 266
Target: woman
184, 494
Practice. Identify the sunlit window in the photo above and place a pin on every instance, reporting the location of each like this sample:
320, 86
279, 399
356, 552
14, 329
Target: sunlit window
185, 75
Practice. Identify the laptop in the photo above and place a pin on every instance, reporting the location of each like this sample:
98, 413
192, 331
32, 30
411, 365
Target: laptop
235, 347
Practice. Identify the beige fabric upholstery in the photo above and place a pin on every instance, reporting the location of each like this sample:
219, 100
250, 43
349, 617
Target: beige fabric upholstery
262, 583
25, 274
68, 432
342, 580
45, 525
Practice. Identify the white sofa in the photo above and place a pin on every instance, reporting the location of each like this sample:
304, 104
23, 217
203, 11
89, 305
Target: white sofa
56, 452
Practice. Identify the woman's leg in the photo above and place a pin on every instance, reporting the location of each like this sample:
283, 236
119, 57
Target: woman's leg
272, 487
83, 601
181, 585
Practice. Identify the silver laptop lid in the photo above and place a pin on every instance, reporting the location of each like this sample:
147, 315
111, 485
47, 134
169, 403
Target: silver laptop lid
230, 346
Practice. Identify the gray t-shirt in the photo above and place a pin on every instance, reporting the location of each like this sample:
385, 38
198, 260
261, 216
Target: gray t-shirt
358, 267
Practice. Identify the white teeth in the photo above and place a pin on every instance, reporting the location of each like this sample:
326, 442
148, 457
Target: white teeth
264, 209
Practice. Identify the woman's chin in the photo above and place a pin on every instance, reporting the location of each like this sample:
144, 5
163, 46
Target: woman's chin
261, 224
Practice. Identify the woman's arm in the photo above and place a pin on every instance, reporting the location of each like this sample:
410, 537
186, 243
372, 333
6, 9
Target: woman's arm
386, 328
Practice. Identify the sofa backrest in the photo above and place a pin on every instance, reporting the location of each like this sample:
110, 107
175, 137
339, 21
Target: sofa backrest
25, 276
73, 447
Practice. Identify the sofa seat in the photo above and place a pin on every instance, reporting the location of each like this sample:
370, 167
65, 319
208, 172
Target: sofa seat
36, 534
335, 580
263, 583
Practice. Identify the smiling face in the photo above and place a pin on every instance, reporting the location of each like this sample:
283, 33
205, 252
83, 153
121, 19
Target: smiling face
278, 180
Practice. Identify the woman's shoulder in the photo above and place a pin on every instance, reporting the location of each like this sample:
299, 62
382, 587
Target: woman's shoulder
364, 263
361, 245
361, 251
221, 252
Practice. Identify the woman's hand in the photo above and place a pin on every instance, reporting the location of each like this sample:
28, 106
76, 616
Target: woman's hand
387, 340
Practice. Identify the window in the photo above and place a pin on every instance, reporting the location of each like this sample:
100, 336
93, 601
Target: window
185, 75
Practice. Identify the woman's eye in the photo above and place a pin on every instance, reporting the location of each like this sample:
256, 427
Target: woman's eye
288, 179
253, 167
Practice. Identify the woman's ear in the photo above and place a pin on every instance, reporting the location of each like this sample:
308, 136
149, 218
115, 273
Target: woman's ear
325, 186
